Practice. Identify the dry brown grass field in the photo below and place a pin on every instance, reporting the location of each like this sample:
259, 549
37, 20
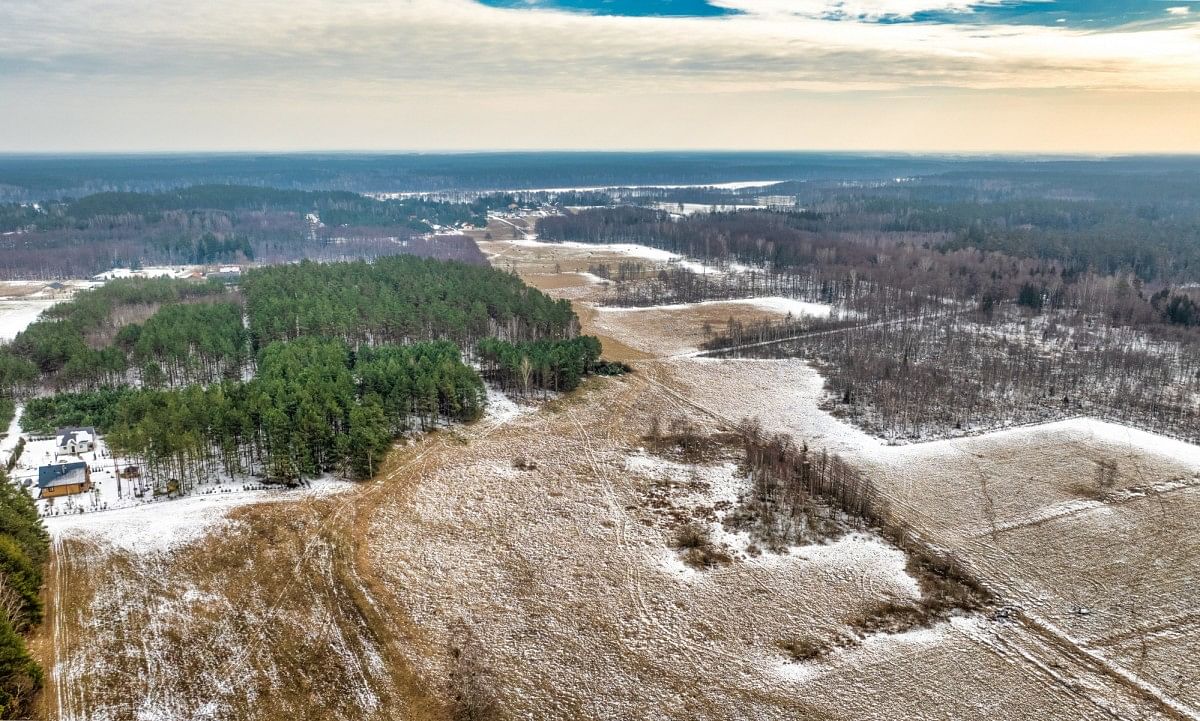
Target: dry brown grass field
456, 586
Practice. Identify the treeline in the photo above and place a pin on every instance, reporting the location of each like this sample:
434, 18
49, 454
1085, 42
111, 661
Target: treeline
869, 270
91, 340
314, 407
397, 300
1177, 308
187, 343
333, 207
736, 333
798, 496
35, 178
801, 496
8, 408
941, 375
24, 547
1134, 216
42, 415
350, 356
549, 365
225, 224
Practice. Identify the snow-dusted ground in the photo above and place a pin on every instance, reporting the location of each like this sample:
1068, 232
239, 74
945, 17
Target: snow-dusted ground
117, 505
633, 250
157, 526
576, 600
693, 208
154, 271
16, 314
775, 304
1128, 440
502, 409
731, 185
630, 250
22, 301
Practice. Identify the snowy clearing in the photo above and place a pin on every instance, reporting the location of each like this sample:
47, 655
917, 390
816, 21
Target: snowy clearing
775, 304
164, 525
17, 314
176, 271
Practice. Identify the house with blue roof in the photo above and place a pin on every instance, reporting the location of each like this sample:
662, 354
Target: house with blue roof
64, 479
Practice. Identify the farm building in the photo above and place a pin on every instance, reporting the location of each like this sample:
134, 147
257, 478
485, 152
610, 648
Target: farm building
64, 479
72, 441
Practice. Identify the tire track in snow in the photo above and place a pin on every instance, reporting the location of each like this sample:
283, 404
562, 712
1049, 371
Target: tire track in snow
633, 560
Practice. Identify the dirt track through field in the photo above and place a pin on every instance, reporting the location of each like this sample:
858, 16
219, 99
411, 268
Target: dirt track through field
555, 593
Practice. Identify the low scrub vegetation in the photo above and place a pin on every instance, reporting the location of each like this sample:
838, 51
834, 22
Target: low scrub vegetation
946, 588
699, 551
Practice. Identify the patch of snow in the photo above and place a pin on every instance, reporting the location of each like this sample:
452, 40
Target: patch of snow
181, 271
630, 249
1081, 428
500, 408
672, 565
9, 442
775, 304
161, 525
793, 671
592, 278
694, 208
731, 185
17, 314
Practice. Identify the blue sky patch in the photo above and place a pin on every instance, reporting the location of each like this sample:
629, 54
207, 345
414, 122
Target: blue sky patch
1078, 14
631, 8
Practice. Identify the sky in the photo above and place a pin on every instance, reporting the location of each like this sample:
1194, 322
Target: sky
960, 76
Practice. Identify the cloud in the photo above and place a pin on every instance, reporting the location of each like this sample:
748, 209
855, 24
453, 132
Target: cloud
444, 58
856, 9
457, 46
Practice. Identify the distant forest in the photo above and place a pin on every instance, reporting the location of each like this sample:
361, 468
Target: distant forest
25, 178
964, 301
1151, 232
224, 224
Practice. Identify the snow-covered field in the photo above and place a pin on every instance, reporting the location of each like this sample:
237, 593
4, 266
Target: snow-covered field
17, 314
153, 271
163, 525
631, 250
555, 592
21, 302
774, 304
623, 250
1098, 575
729, 185
564, 584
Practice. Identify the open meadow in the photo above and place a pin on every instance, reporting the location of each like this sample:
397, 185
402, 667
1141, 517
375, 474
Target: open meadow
529, 565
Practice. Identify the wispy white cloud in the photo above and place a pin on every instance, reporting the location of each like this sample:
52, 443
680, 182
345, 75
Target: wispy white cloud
458, 44
864, 9
447, 55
